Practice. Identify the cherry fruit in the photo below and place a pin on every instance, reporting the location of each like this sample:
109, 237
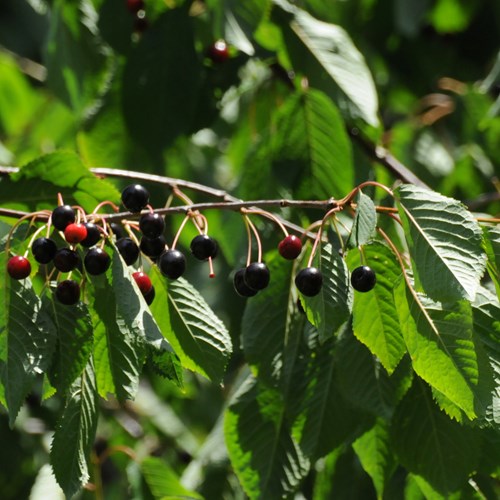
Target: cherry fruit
97, 261
65, 260
257, 276
219, 52
68, 292
153, 247
135, 197
203, 247
240, 286
150, 296
290, 247
309, 281
363, 279
62, 216
44, 249
93, 235
118, 230
75, 233
134, 6
172, 263
143, 281
18, 267
128, 250
151, 225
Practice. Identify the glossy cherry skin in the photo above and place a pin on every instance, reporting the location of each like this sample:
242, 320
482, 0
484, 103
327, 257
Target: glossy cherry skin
135, 197
143, 281
150, 296
93, 235
65, 260
363, 279
75, 233
128, 250
172, 263
68, 292
18, 267
290, 247
203, 246
62, 216
309, 281
219, 52
257, 276
240, 286
151, 225
152, 247
97, 261
44, 249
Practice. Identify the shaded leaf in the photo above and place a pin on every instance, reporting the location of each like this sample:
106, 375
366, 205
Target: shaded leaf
492, 247
444, 241
75, 433
364, 223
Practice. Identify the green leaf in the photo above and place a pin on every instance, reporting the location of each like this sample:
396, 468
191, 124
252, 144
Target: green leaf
163, 481
311, 42
429, 444
331, 308
375, 318
264, 454
444, 241
363, 381
103, 373
120, 310
160, 98
375, 454
75, 433
74, 343
31, 340
364, 223
492, 247
486, 316
267, 320
75, 60
196, 334
439, 338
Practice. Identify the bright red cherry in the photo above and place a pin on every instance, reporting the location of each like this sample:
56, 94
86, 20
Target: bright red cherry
18, 267
75, 233
290, 247
143, 281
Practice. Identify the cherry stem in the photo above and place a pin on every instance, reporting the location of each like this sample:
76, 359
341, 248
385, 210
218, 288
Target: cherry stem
249, 239
315, 245
181, 227
211, 268
269, 215
104, 203
60, 201
33, 238
151, 209
31, 216
257, 238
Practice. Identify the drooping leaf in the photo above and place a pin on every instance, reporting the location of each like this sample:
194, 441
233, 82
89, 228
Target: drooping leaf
75, 434
315, 45
492, 247
439, 338
159, 99
444, 241
74, 343
76, 62
266, 457
196, 334
266, 321
375, 454
423, 438
31, 340
331, 308
375, 319
364, 223
163, 482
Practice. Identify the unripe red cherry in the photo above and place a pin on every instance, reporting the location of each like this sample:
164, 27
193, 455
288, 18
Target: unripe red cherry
18, 267
143, 282
75, 233
290, 247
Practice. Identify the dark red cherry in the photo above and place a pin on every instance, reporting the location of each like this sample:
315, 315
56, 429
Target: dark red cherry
68, 292
219, 52
143, 281
18, 267
290, 247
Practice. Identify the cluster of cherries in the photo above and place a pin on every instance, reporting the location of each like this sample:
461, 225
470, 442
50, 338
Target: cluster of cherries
247, 281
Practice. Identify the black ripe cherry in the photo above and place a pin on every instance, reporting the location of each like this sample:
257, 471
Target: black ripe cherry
218, 52
240, 286
65, 260
257, 276
309, 281
363, 279
152, 247
18, 267
135, 197
44, 249
97, 261
290, 247
93, 235
128, 250
143, 281
68, 292
75, 233
172, 263
203, 246
62, 216
150, 296
151, 225
118, 230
